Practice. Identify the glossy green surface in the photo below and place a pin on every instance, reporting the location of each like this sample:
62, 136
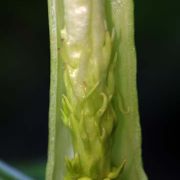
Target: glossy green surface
123, 143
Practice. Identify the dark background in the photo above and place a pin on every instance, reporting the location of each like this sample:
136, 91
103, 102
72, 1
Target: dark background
24, 87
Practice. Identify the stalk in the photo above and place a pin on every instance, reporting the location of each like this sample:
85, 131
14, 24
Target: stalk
94, 126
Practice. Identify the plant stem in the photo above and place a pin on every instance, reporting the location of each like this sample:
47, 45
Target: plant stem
94, 130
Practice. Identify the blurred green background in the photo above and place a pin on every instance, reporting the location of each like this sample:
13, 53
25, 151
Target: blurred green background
24, 88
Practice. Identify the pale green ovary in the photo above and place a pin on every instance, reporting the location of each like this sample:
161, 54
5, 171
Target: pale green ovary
88, 77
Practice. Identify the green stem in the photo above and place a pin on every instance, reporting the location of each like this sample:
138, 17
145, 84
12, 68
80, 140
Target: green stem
94, 130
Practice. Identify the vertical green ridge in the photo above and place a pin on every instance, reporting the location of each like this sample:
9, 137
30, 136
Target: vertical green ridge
127, 138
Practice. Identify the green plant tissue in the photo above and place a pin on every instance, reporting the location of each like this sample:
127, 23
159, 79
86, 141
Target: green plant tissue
94, 129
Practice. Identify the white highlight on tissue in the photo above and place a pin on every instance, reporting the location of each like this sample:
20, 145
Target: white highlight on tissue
77, 17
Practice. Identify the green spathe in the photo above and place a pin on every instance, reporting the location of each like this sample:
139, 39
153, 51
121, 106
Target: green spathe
93, 106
